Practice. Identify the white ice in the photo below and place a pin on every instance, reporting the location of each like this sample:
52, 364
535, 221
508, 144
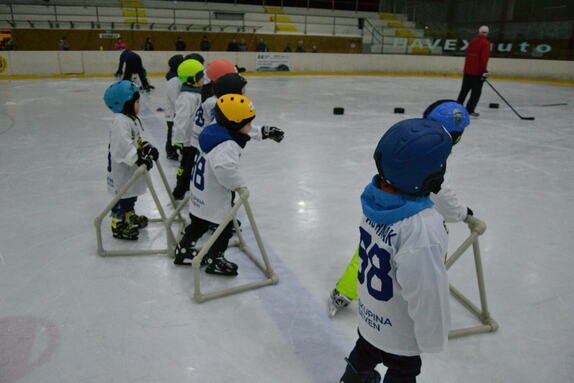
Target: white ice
68, 315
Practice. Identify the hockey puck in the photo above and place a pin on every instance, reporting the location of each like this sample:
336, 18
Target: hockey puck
338, 110
493, 105
399, 110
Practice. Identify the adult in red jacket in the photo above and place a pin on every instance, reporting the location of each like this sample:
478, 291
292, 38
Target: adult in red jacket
475, 72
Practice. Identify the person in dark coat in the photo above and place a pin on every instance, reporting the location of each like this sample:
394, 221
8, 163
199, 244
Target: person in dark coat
205, 45
262, 47
148, 46
475, 70
233, 46
300, 48
179, 44
133, 65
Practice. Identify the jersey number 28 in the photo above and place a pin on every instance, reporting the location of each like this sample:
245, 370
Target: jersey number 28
375, 264
197, 175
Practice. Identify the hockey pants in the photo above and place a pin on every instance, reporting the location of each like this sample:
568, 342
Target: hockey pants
347, 284
400, 369
184, 171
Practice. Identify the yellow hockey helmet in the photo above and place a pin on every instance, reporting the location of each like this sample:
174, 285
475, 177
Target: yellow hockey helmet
190, 71
234, 111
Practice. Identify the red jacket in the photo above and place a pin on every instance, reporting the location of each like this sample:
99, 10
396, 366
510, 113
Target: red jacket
120, 46
477, 55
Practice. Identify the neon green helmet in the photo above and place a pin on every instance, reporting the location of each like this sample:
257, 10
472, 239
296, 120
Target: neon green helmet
190, 71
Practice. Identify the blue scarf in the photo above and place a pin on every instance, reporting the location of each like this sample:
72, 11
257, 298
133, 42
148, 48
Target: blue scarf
386, 208
215, 134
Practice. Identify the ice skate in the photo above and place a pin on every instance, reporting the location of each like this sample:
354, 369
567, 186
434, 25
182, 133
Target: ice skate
353, 376
337, 302
172, 155
139, 221
220, 266
121, 229
183, 253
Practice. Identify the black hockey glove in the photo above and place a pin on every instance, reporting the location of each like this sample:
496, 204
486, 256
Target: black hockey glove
484, 76
142, 160
469, 211
272, 132
148, 150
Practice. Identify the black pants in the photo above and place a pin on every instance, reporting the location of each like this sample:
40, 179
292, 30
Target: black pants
169, 149
131, 70
198, 227
400, 369
474, 85
123, 206
184, 172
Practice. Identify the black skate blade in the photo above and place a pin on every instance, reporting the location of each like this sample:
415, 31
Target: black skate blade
227, 273
127, 238
181, 262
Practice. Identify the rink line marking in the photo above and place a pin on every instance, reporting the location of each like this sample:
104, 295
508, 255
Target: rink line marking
281, 74
322, 344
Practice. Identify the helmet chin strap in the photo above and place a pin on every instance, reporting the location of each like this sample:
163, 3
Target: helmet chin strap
433, 182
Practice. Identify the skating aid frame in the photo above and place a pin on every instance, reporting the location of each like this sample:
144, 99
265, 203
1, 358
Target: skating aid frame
270, 277
477, 228
167, 221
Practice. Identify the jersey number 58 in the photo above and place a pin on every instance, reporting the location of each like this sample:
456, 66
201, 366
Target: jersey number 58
374, 267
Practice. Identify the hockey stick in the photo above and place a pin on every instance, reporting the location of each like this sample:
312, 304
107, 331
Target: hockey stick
559, 104
503, 99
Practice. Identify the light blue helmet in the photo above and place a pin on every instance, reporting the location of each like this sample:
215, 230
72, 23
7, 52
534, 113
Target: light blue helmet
411, 155
118, 94
452, 115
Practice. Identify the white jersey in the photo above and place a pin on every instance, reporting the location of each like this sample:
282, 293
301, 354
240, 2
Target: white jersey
204, 116
185, 107
447, 203
173, 87
215, 175
125, 136
403, 286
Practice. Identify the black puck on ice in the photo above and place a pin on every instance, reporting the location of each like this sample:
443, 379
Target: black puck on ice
493, 105
399, 110
338, 110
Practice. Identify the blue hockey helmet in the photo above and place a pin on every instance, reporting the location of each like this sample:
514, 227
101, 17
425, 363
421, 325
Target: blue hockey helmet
452, 115
411, 155
118, 94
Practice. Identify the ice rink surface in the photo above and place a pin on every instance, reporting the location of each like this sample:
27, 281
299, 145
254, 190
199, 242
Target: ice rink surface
68, 315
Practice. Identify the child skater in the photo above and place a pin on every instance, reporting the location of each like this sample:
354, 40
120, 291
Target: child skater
215, 177
190, 72
402, 281
126, 152
455, 119
173, 87
231, 83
